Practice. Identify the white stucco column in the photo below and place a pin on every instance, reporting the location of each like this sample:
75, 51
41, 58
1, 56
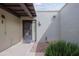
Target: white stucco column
33, 31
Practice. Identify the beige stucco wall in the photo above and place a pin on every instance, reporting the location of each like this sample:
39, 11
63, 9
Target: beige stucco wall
10, 30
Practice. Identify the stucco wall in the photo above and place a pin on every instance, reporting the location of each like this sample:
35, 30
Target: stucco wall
48, 27
64, 27
70, 22
9, 30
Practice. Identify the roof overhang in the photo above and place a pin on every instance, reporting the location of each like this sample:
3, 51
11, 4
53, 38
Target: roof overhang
19, 9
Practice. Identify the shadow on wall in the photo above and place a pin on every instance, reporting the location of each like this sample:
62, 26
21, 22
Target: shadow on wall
52, 32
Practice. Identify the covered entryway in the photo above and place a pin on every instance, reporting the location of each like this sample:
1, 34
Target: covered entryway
11, 16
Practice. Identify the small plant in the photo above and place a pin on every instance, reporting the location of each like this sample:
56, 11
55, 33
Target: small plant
62, 48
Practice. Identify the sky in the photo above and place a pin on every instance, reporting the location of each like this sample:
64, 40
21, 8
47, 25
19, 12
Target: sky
48, 6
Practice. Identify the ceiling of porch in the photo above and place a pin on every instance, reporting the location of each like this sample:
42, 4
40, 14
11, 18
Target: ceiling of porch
19, 9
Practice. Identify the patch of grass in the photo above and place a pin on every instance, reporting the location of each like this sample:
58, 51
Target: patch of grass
62, 48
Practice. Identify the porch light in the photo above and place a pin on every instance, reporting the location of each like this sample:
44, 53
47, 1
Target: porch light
39, 24
54, 16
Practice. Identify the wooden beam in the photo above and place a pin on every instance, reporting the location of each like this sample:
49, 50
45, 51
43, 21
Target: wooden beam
22, 15
29, 4
18, 10
12, 5
8, 10
25, 9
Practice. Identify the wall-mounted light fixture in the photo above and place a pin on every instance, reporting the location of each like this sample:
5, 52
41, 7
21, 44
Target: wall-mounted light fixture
39, 24
54, 16
3, 16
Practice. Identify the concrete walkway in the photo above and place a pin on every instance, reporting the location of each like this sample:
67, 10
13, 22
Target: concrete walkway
20, 49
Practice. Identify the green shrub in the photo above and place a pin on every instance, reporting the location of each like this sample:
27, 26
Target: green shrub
62, 48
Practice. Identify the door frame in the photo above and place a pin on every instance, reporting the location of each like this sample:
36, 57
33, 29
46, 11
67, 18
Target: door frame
23, 26
33, 21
